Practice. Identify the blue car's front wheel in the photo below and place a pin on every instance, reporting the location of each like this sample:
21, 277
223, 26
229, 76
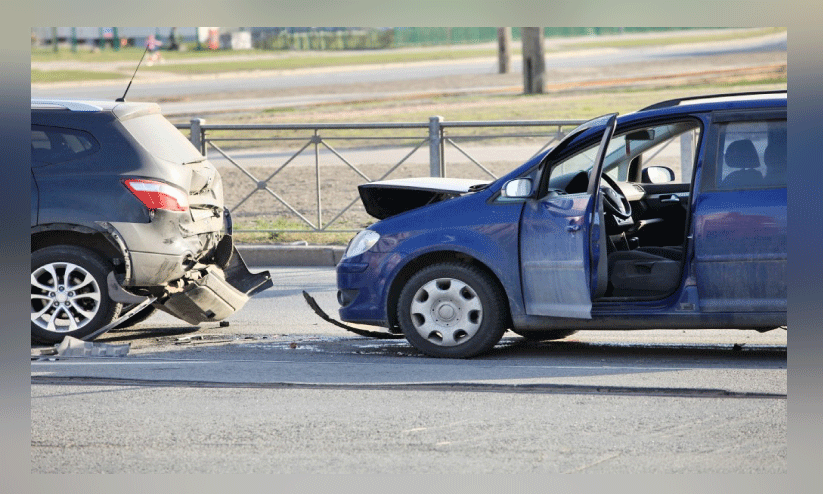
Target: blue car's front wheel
452, 310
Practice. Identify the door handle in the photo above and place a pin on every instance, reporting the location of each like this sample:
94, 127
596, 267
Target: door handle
573, 228
671, 198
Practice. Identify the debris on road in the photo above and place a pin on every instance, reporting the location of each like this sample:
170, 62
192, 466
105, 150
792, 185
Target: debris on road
202, 339
362, 332
73, 347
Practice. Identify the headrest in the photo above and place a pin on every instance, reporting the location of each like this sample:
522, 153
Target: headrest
742, 154
775, 154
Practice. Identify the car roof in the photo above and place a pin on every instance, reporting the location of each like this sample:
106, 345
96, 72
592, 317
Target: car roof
724, 101
120, 109
693, 105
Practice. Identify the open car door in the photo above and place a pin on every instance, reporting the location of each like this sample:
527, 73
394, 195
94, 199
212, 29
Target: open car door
562, 242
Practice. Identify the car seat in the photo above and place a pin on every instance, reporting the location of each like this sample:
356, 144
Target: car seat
638, 273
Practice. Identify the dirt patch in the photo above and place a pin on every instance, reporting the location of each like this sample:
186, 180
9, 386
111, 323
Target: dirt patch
297, 187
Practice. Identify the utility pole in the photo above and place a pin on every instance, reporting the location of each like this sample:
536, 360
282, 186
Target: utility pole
534, 60
504, 50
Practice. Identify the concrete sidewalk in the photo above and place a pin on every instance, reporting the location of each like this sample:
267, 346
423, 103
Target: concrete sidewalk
257, 255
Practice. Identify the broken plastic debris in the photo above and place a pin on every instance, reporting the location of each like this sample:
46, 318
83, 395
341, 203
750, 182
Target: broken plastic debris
362, 332
73, 347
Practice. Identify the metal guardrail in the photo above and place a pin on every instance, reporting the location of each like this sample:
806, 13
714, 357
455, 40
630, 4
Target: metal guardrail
436, 134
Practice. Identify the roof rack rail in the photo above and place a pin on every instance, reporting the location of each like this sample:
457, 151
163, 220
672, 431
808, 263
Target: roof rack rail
67, 104
675, 102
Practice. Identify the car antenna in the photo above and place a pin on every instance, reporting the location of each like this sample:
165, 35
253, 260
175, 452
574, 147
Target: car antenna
123, 98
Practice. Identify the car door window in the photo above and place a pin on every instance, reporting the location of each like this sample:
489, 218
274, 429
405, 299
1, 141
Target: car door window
672, 145
676, 151
54, 145
751, 155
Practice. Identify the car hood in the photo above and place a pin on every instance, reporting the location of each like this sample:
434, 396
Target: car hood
387, 198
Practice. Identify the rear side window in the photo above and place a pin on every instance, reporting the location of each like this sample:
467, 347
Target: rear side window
752, 155
162, 139
55, 145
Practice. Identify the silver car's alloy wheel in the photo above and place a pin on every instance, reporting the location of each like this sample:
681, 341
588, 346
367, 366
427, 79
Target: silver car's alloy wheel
446, 311
64, 297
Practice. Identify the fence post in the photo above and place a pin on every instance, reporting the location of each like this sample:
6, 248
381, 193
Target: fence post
435, 146
197, 135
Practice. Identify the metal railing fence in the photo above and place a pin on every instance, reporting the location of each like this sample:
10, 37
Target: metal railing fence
437, 135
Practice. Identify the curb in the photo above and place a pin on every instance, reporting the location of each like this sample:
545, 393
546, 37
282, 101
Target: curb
289, 255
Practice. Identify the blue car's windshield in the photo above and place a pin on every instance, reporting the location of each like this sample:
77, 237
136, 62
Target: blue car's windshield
595, 122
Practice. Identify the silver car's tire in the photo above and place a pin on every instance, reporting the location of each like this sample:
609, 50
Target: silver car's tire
69, 295
452, 310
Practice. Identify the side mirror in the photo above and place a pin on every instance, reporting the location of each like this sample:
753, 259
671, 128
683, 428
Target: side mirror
657, 175
518, 188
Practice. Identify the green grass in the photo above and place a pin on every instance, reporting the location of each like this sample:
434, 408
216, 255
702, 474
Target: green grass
72, 75
299, 232
774, 80
299, 62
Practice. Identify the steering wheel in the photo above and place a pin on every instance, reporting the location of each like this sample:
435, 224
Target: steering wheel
614, 201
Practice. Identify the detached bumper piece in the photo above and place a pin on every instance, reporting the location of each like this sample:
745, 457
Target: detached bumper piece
218, 294
362, 332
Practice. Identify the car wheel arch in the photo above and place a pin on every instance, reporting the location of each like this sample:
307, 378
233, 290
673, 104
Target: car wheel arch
415, 264
100, 242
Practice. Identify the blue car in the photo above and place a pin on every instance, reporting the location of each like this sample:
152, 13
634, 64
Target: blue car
672, 217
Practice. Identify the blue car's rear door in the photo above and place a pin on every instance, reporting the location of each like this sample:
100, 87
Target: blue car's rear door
740, 227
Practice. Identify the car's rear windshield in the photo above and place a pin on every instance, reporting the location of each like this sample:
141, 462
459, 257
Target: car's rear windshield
161, 138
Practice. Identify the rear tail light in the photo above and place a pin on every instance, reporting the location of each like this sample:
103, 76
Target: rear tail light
157, 195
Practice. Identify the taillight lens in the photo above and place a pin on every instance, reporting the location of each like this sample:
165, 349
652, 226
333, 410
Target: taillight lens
157, 195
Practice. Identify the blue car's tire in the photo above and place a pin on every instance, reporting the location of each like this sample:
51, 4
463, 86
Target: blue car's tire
452, 310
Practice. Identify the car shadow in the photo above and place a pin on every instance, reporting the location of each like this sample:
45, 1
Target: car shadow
627, 352
138, 333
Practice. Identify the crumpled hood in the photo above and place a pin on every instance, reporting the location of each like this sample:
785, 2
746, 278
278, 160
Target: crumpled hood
387, 198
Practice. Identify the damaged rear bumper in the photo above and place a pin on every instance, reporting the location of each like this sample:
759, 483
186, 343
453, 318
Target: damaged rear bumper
218, 294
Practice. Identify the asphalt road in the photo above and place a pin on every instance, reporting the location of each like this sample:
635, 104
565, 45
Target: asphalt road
281, 391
